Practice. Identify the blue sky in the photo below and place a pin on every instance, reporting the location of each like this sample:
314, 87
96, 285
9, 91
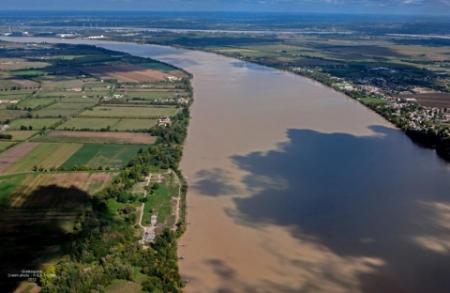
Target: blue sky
338, 6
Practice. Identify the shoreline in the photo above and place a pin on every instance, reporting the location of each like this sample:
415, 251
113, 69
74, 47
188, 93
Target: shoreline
440, 145
261, 213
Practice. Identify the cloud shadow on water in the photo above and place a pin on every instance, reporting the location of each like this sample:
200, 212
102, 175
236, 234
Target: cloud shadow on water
370, 196
214, 182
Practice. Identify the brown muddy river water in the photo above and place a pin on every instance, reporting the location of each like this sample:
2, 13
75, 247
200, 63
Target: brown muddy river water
296, 188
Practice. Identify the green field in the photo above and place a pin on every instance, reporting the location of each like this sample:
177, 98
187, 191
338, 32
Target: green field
149, 95
60, 94
45, 155
5, 144
35, 102
38, 123
55, 85
119, 124
372, 101
11, 114
78, 123
62, 109
20, 135
7, 84
134, 124
159, 201
7, 185
29, 73
130, 112
103, 155
14, 95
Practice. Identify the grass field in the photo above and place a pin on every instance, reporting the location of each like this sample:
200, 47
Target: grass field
29, 73
119, 286
15, 154
36, 124
372, 101
90, 182
34, 103
7, 187
11, 114
60, 94
96, 137
15, 95
19, 63
5, 144
116, 124
61, 109
45, 155
134, 124
78, 123
55, 85
130, 112
7, 84
148, 95
20, 135
102, 155
160, 201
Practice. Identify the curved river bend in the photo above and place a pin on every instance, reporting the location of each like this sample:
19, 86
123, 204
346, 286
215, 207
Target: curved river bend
297, 188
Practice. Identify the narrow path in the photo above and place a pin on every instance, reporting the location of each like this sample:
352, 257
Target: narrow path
178, 200
149, 231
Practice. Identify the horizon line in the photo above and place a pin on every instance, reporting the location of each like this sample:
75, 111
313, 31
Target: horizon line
224, 11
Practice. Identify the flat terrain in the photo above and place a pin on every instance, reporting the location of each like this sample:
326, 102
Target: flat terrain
44, 155
70, 138
119, 124
99, 137
15, 154
126, 73
102, 155
34, 123
20, 135
5, 144
439, 100
130, 112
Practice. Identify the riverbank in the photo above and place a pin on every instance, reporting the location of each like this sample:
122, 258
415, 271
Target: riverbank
294, 187
427, 137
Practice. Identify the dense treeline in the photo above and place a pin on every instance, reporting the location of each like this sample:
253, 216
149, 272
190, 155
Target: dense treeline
106, 247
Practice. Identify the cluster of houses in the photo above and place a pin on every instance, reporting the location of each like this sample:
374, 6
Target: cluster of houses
403, 105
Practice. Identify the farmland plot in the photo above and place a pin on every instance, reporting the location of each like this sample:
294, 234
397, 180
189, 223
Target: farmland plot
126, 73
34, 123
98, 137
14, 154
45, 155
103, 155
130, 112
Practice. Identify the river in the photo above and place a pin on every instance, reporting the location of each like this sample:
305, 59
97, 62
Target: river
296, 188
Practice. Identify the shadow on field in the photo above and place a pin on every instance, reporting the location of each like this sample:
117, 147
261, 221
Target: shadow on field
376, 197
35, 228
